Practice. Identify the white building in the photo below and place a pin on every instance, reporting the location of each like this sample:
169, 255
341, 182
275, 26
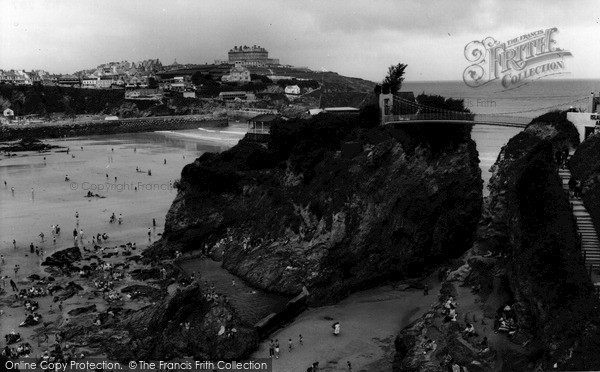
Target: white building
90, 81
292, 89
238, 73
587, 122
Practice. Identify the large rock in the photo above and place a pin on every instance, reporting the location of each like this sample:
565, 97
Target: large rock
66, 257
158, 332
82, 310
343, 224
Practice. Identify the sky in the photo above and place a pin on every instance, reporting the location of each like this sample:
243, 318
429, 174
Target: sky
359, 38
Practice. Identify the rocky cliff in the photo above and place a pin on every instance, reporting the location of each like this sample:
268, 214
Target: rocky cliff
332, 204
526, 255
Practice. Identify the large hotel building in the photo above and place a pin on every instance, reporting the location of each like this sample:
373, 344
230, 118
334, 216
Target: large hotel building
251, 56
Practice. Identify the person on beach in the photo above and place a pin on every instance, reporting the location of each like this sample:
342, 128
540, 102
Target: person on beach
17, 267
106, 175
290, 345
153, 222
149, 234
2, 259
271, 349
115, 178
14, 286
300, 339
120, 218
74, 234
81, 234
165, 162
349, 366
336, 328
31, 247
67, 178
276, 349
42, 236
14, 244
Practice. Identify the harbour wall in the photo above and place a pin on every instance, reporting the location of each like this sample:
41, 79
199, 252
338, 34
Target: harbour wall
10, 133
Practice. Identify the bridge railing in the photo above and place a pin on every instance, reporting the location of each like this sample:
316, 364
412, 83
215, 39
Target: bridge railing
450, 116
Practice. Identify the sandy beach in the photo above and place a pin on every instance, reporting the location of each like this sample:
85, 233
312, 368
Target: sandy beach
25, 214
370, 320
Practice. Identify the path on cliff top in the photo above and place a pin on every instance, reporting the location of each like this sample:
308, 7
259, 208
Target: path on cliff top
369, 322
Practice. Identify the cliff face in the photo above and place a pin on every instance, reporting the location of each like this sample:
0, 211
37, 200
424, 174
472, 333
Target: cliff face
528, 221
331, 206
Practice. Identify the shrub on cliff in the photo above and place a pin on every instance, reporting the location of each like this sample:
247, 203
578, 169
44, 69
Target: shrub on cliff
558, 119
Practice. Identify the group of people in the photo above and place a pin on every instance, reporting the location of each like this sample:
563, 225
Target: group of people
449, 310
274, 349
561, 157
506, 320
114, 219
575, 187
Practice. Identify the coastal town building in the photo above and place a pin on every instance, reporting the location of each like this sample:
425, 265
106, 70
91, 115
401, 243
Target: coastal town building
15, 77
69, 80
237, 74
238, 95
105, 81
588, 122
90, 82
249, 56
292, 90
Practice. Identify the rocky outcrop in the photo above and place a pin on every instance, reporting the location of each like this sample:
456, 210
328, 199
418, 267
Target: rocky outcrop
27, 144
184, 325
306, 212
65, 257
536, 266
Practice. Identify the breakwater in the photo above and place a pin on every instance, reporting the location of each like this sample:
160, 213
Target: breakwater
9, 133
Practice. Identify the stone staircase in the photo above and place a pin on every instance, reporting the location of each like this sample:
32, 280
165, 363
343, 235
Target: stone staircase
590, 245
